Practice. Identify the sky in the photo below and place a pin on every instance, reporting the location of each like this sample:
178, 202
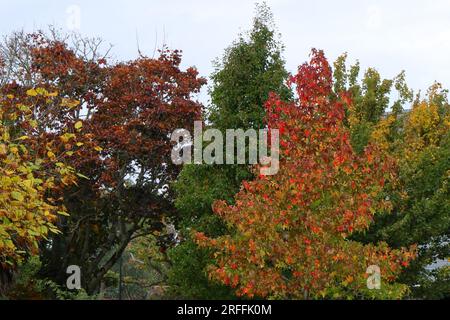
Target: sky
411, 35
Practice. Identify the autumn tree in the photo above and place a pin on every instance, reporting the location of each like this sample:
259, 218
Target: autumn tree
130, 109
380, 114
250, 69
292, 229
34, 169
372, 98
421, 207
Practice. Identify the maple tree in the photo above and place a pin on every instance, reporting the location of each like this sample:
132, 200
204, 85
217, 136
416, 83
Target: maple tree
292, 229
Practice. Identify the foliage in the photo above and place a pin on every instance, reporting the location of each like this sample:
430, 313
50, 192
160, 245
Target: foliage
371, 98
86, 177
33, 167
250, 69
146, 268
421, 198
292, 229
416, 140
435, 285
129, 110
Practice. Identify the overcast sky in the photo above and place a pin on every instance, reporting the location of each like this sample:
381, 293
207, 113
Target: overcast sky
413, 35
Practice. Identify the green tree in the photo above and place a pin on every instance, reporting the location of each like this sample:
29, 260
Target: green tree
250, 69
372, 96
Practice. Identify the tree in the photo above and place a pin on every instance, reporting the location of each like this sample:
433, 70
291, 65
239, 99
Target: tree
250, 69
415, 138
129, 110
34, 168
292, 229
371, 98
421, 198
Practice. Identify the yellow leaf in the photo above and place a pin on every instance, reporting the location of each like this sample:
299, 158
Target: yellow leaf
41, 91
14, 150
28, 183
69, 103
54, 230
32, 92
66, 137
97, 148
23, 108
5, 136
3, 150
52, 94
33, 123
78, 125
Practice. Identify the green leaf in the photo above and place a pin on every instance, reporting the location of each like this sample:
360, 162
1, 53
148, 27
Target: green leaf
17, 196
82, 176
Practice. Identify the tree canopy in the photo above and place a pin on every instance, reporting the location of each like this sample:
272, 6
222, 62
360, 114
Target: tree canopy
359, 208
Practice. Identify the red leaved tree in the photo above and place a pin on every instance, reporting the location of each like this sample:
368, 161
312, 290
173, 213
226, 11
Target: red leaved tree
128, 110
291, 231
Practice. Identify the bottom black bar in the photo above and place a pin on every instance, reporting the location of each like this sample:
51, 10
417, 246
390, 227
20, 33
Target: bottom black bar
239, 310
